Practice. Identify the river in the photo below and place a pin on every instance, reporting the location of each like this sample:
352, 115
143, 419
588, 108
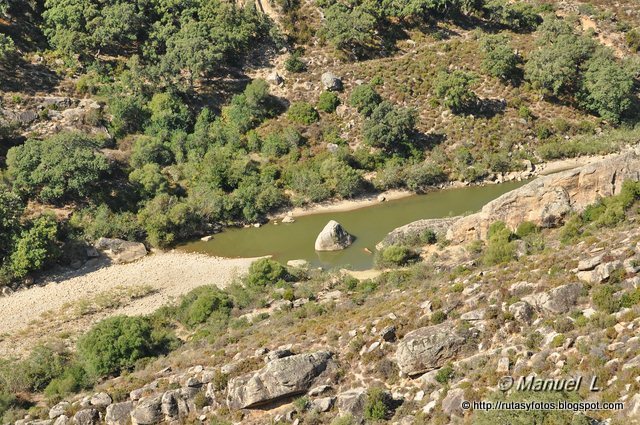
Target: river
369, 225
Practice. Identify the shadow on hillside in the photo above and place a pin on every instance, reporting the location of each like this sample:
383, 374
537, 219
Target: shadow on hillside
18, 75
428, 141
489, 108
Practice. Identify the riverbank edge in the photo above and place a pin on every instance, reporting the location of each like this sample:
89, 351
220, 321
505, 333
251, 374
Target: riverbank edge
373, 198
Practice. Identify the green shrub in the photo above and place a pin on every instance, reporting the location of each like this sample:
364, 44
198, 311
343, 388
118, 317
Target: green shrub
265, 272
633, 40
377, 405
389, 127
499, 58
303, 113
438, 317
500, 246
7, 401
365, 99
563, 325
328, 102
294, 63
557, 341
201, 303
61, 168
453, 90
631, 298
603, 298
7, 46
35, 248
344, 420
72, 380
607, 88
526, 228
444, 374
394, 255
533, 341
515, 417
117, 343
129, 114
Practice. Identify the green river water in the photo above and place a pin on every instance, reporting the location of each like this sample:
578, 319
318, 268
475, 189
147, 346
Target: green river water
369, 225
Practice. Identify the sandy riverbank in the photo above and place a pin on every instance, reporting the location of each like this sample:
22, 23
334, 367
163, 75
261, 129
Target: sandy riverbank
344, 204
36, 312
541, 169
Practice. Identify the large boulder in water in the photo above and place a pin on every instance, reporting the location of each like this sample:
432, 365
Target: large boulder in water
121, 251
333, 238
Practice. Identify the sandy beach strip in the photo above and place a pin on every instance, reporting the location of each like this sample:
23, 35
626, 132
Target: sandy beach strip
170, 274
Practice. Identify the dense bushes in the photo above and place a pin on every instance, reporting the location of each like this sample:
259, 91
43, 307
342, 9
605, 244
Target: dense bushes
500, 245
365, 99
201, 303
328, 102
26, 245
499, 58
265, 272
389, 127
117, 343
59, 169
303, 113
178, 43
395, 255
453, 89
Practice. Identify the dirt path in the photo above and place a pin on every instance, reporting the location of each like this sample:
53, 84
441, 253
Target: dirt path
74, 302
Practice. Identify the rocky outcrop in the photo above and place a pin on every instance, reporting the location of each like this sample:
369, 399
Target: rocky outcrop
547, 200
147, 412
121, 251
352, 402
558, 300
118, 413
284, 377
333, 238
50, 115
87, 417
413, 231
431, 347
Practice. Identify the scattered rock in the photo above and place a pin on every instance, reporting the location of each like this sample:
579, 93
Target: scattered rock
522, 311
414, 230
298, 264
331, 82
323, 404
59, 409
279, 353
352, 402
333, 238
452, 403
87, 417
558, 300
280, 378
118, 413
288, 219
600, 273
503, 365
275, 79
431, 347
147, 412
101, 400
388, 333
548, 199
590, 264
